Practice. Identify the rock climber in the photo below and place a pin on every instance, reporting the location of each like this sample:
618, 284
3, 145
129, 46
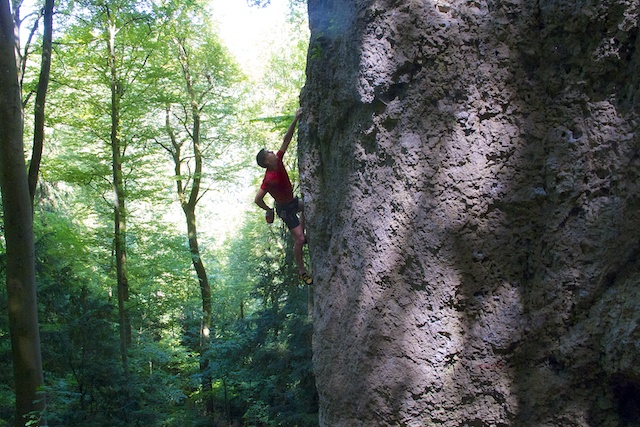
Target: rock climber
276, 182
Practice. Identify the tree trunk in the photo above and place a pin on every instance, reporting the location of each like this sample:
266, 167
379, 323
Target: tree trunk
189, 201
41, 92
119, 208
18, 225
189, 207
198, 265
205, 293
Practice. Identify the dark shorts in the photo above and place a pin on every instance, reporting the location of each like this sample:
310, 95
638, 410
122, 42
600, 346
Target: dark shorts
289, 213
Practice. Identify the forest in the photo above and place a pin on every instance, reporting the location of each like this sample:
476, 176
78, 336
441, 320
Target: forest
159, 295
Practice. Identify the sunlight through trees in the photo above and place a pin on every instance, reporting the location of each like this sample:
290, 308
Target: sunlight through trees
150, 123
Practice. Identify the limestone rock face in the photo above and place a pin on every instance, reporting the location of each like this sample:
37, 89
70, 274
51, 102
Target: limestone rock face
470, 171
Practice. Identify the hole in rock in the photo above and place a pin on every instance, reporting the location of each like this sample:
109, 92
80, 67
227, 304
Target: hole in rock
627, 395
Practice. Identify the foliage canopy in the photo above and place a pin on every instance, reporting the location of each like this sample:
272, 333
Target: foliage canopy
259, 356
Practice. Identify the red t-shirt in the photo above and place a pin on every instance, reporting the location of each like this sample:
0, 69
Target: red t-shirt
277, 182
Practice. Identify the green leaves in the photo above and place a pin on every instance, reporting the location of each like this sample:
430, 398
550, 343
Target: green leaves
259, 355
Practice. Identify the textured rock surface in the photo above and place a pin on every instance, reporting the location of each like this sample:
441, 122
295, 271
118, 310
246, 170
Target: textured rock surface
471, 176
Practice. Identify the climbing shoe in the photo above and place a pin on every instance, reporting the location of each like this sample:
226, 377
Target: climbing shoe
308, 280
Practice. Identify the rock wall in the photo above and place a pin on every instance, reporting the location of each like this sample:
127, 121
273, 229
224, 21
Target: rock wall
470, 171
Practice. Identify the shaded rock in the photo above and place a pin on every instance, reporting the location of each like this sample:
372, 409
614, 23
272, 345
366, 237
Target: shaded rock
470, 172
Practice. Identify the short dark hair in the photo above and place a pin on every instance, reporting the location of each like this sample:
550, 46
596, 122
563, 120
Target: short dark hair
261, 157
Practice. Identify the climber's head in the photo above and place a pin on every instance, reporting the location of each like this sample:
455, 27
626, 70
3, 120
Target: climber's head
266, 159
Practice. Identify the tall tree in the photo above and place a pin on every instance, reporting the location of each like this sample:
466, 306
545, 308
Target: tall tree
119, 208
44, 13
189, 196
41, 93
196, 97
103, 53
18, 223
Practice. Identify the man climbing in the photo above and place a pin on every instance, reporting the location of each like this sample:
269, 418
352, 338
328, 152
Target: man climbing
277, 183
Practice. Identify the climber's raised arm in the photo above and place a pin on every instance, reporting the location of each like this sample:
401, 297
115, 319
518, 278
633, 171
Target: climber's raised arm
289, 135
